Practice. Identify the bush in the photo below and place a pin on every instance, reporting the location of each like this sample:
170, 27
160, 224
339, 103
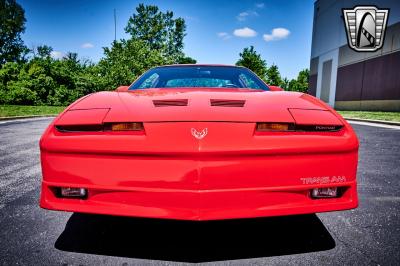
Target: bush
17, 94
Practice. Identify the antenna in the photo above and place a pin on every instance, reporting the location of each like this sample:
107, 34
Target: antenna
115, 26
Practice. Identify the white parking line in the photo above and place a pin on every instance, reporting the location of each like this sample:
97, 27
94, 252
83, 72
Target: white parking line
374, 125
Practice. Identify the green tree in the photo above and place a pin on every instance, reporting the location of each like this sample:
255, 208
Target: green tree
293, 85
126, 60
273, 76
44, 51
187, 60
43, 80
301, 82
252, 60
284, 84
158, 29
12, 24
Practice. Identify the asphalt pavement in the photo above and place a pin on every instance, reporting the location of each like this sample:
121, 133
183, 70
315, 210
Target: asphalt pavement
368, 235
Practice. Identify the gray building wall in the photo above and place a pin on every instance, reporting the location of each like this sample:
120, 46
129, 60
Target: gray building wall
356, 80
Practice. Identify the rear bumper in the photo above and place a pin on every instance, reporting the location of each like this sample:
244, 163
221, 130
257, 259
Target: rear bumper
199, 188
198, 205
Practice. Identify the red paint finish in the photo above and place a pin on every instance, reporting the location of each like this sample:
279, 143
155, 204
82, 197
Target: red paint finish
275, 88
232, 172
83, 117
314, 117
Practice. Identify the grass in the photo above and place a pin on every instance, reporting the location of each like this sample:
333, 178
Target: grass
23, 110
387, 116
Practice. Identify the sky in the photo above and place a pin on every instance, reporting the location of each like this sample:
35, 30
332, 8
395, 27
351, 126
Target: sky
217, 31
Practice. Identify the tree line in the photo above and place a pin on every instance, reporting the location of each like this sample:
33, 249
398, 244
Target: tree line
251, 59
33, 77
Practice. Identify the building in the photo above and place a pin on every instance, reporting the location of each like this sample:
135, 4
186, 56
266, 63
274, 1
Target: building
351, 80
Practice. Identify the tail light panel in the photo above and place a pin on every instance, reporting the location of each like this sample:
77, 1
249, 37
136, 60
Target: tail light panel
106, 127
286, 127
305, 120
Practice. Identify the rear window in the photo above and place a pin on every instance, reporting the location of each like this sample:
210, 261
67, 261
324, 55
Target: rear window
199, 76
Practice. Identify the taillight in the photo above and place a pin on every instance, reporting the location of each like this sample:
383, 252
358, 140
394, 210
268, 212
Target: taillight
126, 126
274, 126
265, 127
120, 126
318, 128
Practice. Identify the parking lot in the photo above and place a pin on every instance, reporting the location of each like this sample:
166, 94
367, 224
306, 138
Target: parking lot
30, 235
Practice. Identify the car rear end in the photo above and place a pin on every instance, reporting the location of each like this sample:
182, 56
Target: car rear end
263, 154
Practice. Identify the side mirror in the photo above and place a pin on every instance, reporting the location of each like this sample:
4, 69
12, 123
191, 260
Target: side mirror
275, 88
122, 88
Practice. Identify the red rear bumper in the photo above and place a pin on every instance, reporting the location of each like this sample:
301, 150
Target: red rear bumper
199, 187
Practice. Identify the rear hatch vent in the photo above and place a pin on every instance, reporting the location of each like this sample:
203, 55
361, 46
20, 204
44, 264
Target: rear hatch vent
170, 102
227, 103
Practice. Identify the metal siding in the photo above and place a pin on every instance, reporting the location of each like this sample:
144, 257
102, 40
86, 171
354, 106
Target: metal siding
326, 80
312, 85
382, 78
374, 79
349, 82
314, 65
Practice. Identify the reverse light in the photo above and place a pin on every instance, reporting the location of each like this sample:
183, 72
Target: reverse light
326, 192
70, 192
274, 126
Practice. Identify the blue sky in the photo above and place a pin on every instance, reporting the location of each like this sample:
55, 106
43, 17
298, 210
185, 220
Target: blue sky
217, 31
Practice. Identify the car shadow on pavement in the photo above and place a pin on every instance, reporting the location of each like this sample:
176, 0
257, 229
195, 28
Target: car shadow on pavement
187, 241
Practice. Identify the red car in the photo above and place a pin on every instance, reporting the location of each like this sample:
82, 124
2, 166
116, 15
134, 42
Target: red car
199, 142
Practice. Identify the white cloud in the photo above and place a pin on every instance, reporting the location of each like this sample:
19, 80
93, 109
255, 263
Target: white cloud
57, 54
276, 34
260, 5
87, 45
245, 32
224, 35
244, 15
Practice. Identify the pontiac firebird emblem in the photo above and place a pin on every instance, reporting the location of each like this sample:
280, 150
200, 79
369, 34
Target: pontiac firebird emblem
365, 26
199, 135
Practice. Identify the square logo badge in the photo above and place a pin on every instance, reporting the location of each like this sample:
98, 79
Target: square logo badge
365, 26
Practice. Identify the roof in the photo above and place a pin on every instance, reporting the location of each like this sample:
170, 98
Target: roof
200, 65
